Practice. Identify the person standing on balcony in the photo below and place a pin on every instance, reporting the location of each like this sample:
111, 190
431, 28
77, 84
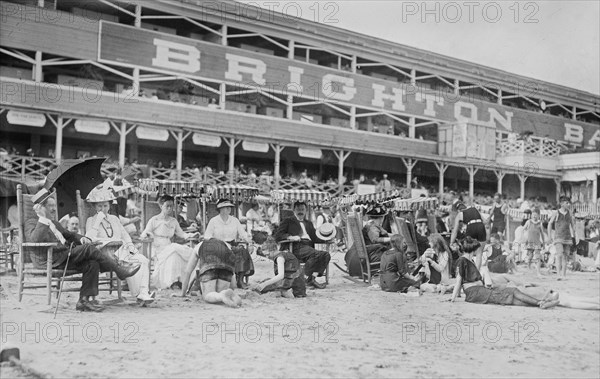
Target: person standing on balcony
498, 219
385, 184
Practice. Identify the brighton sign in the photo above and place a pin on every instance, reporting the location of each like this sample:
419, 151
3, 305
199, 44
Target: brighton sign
175, 55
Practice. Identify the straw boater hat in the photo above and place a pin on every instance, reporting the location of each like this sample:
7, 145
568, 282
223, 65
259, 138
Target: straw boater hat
326, 231
421, 216
41, 196
224, 203
100, 195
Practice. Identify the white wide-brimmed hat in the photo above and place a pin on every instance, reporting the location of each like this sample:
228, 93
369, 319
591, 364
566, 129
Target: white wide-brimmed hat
100, 195
326, 231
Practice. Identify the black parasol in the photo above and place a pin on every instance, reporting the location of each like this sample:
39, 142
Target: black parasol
72, 175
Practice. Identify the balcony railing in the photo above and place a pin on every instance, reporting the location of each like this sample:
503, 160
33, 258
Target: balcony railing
542, 147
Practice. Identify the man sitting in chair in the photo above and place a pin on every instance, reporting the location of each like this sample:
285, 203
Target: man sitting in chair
84, 258
302, 232
376, 237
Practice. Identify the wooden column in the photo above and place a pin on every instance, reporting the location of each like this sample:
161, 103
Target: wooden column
442, 167
179, 136
60, 123
500, 176
522, 179
472, 171
341, 156
38, 67
557, 182
232, 143
277, 148
123, 132
411, 128
409, 163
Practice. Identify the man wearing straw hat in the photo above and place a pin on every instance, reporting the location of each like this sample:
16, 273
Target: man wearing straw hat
84, 257
302, 232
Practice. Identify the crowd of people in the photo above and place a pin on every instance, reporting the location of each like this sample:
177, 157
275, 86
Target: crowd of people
460, 250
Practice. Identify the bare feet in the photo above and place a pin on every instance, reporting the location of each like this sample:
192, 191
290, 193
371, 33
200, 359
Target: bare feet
549, 304
228, 298
287, 294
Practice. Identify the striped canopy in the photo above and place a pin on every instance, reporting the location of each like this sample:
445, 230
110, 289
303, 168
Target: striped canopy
415, 203
377, 197
290, 196
234, 192
171, 187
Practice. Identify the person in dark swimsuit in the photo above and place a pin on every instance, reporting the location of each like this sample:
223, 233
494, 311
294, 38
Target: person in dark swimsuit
215, 263
470, 280
475, 228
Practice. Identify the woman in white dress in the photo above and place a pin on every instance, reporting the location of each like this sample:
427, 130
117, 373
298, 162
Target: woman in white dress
170, 259
228, 229
103, 227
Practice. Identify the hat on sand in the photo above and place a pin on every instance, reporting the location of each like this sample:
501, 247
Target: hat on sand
224, 203
326, 231
421, 216
41, 196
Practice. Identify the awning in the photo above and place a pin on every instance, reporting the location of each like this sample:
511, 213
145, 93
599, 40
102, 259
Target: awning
153, 134
171, 187
290, 196
92, 127
415, 203
206, 140
26, 118
579, 175
234, 192
377, 197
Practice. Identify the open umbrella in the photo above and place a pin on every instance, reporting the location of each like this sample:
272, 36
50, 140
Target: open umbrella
72, 175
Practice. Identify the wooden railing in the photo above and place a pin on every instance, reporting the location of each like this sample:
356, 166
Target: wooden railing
505, 145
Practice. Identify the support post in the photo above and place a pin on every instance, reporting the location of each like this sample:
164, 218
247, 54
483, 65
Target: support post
179, 137
557, 182
409, 163
442, 167
411, 127
232, 143
341, 156
472, 171
522, 179
277, 148
500, 176
595, 190
138, 16
60, 124
38, 73
353, 117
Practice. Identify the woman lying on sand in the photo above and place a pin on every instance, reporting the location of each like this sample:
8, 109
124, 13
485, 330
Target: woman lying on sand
469, 279
565, 300
216, 263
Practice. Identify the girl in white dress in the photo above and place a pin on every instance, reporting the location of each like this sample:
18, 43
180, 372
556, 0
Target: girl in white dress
104, 227
170, 259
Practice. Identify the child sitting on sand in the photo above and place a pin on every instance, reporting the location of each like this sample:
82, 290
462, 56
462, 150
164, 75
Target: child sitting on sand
289, 276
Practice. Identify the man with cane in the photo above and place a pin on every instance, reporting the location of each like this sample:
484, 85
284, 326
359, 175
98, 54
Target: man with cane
82, 257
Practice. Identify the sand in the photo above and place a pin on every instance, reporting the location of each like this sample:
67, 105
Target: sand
348, 329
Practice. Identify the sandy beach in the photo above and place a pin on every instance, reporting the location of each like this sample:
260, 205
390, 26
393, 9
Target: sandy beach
346, 330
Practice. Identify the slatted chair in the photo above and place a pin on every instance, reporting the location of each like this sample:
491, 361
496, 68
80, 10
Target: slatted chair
407, 230
24, 268
86, 210
368, 269
8, 240
149, 210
